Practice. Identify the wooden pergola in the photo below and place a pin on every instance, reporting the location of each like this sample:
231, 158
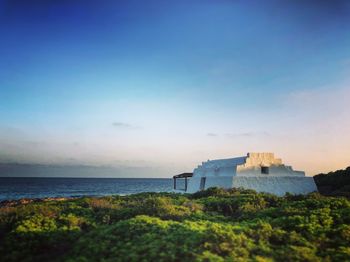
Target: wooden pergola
181, 176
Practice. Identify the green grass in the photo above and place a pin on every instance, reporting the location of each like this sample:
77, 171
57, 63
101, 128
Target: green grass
212, 225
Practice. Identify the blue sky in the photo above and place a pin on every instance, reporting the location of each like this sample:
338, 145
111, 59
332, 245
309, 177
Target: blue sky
167, 84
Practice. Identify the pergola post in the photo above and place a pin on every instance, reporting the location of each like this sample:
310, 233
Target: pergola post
182, 176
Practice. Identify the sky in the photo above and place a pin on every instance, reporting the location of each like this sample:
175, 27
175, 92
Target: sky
160, 86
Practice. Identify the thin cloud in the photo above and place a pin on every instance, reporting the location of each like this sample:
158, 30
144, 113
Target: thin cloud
124, 125
247, 134
212, 134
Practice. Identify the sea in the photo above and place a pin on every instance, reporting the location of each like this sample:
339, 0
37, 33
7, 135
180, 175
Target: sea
38, 187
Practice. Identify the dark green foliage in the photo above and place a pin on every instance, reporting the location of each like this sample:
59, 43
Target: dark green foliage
211, 225
335, 183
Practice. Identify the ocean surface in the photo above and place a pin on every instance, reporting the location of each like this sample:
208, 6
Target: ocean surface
16, 188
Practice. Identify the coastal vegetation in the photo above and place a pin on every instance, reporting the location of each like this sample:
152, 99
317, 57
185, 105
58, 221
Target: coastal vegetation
211, 225
335, 183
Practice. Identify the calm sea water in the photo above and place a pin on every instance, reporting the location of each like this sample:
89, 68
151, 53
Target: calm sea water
16, 188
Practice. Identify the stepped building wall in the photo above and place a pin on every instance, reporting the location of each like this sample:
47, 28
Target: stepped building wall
259, 171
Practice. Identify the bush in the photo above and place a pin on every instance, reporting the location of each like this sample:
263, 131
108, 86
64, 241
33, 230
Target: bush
211, 225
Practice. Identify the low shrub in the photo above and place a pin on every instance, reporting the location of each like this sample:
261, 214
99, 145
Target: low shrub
211, 225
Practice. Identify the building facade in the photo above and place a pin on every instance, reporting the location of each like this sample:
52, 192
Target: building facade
259, 171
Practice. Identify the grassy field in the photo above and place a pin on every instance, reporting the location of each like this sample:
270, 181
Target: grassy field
212, 225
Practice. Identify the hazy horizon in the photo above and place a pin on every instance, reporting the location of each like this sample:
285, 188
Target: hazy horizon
8, 170
154, 88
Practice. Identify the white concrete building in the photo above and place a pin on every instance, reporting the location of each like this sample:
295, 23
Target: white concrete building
259, 171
